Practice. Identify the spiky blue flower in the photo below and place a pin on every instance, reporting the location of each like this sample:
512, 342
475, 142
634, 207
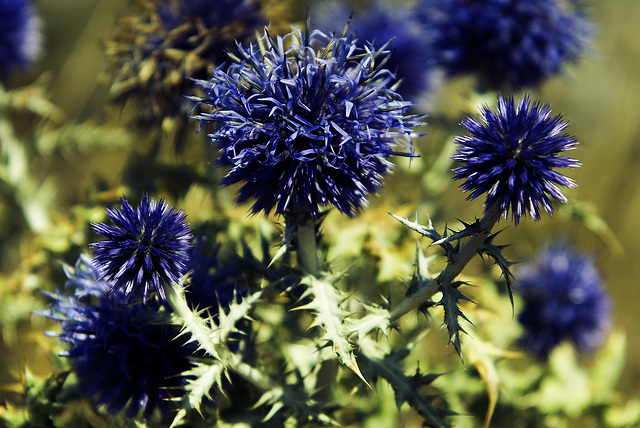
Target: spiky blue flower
511, 155
564, 300
20, 36
505, 42
306, 122
382, 23
127, 357
156, 51
145, 250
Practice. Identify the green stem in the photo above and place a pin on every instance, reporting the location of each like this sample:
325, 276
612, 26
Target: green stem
452, 270
307, 250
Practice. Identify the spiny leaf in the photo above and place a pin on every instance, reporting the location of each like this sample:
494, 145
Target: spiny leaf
325, 301
297, 401
234, 313
495, 252
452, 313
377, 318
191, 321
422, 277
201, 379
469, 229
427, 231
407, 389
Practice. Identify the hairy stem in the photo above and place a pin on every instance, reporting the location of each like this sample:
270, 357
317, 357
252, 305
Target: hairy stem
452, 270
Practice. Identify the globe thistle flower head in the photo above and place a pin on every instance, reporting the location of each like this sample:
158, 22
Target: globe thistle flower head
386, 25
20, 37
510, 43
155, 52
564, 300
306, 126
145, 250
127, 357
215, 281
511, 155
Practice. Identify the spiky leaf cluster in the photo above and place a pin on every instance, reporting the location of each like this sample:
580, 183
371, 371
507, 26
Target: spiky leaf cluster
305, 122
325, 300
427, 284
408, 388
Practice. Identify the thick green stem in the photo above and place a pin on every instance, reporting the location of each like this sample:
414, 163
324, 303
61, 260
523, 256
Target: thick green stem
307, 250
452, 270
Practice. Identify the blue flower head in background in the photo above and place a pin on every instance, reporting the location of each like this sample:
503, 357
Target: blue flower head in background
215, 281
306, 122
510, 43
154, 53
564, 300
511, 155
145, 250
127, 357
381, 23
20, 37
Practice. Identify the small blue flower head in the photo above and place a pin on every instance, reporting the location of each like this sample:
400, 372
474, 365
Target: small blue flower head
20, 36
145, 250
505, 42
381, 23
564, 300
511, 155
305, 122
156, 51
127, 357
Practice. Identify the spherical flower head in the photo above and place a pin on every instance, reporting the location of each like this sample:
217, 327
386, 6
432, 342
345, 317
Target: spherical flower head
393, 27
306, 122
127, 357
511, 155
564, 300
20, 36
145, 250
155, 52
505, 42
215, 281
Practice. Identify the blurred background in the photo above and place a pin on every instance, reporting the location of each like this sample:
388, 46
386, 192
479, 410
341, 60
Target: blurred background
600, 97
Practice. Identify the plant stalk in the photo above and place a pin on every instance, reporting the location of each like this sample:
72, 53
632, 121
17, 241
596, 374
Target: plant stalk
452, 270
307, 250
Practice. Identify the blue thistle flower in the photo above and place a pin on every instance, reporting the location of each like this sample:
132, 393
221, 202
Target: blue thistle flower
127, 357
505, 42
156, 51
380, 23
20, 36
511, 155
306, 126
564, 300
215, 281
146, 250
